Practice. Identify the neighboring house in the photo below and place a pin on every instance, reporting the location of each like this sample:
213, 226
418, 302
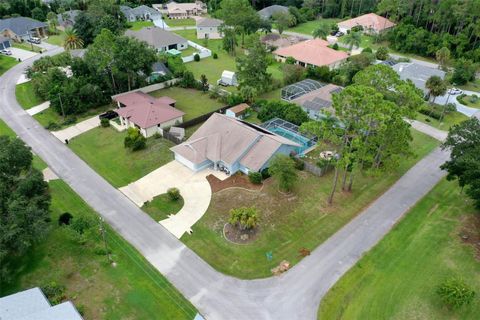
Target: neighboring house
228, 78
209, 28
317, 102
372, 23
78, 53
274, 40
267, 12
140, 13
175, 10
314, 52
68, 18
4, 43
158, 38
224, 142
240, 111
22, 28
32, 304
150, 115
417, 73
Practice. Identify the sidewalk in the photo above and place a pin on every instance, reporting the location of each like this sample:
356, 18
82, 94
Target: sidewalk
77, 129
39, 108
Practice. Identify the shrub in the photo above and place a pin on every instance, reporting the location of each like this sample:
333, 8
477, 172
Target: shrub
335, 46
255, 177
368, 50
215, 55
290, 60
357, 28
65, 219
173, 194
69, 121
139, 144
188, 80
299, 164
100, 250
196, 57
157, 135
455, 293
52, 126
244, 217
431, 113
54, 292
382, 53
134, 140
282, 168
81, 224
265, 173
105, 123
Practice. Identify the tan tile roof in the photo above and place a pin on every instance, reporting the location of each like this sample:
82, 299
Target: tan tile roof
314, 51
226, 139
368, 21
146, 111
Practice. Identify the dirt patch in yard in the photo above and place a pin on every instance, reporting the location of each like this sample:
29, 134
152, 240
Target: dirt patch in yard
470, 232
235, 235
238, 180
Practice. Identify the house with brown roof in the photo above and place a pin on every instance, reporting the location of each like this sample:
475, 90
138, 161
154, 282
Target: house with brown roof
372, 23
240, 111
314, 52
227, 143
150, 115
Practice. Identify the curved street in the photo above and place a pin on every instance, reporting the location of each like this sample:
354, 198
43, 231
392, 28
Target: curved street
293, 295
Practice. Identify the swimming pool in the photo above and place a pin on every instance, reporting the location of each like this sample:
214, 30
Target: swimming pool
301, 140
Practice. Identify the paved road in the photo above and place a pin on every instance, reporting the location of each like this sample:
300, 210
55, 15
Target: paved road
294, 295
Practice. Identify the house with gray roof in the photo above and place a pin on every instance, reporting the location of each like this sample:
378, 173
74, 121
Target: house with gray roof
22, 28
32, 304
68, 18
140, 13
317, 103
209, 28
267, 12
417, 73
160, 39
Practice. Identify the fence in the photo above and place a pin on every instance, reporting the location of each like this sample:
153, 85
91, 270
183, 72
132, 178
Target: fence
167, 135
202, 52
152, 87
314, 169
200, 119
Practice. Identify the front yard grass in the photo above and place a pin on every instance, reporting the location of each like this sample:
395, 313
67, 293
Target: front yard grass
6, 63
448, 121
138, 25
5, 130
162, 206
398, 278
469, 101
27, 46
289, 223
103, 150
133, 289
471, 86
193, 102
49, 116
26, 96
180, 22
57, 39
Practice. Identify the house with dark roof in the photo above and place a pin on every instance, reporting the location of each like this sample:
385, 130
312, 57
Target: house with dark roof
209, 28
318, 102
150, 115
225, 142
68, 18
22, 28
32, 304
267, 12
417, 73
4, 43
160, 39
140, 13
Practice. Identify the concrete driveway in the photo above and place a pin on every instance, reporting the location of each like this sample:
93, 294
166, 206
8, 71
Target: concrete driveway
193, 187
468, 111
22, 54
77, 129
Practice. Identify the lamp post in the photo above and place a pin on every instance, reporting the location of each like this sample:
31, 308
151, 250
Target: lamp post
103, 231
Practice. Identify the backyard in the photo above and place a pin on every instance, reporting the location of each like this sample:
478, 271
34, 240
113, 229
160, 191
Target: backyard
282, 227
137, 25
309, 26
103, 150
26, 96
180, 22
193, 102
398, 278
6, 63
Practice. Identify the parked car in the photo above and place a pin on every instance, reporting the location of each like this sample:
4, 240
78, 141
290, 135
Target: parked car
6, 52
110, 114
454, 91
34, 40
339, 34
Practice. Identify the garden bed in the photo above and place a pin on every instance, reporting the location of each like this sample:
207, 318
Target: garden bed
238, 236
238, 180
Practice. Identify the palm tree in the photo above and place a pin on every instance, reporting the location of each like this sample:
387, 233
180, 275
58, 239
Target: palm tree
436, 87
322, 31
353, 39
72, 40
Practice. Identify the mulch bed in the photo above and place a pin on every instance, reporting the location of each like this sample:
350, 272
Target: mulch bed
238, 180
238, 236
470, 234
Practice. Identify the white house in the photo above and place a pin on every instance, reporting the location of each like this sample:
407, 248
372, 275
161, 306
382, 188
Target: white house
229, 78
209, 28
140, 13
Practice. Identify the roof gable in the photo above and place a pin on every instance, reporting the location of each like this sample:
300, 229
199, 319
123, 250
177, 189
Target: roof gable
21, 25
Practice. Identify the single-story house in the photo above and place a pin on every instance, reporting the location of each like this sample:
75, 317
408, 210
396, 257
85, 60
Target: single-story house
315, 103
372, 23
274, 40
33, 304
22, 28
140, 13
267, 12
417, 73
209, 28
4, 43
240, 111
68, 18
225, 142
150, 115
314, 52
160, 39
175, 10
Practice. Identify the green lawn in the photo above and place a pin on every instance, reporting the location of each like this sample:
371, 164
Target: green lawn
397, 279
289, 223
133, 289
137, 25
26, 46
189, 51
193, 102
56, 39
49, 116
26, 96
103, 150
449, 120
310, 26
5, 130
6, 63
469, 101
162, 206
180, 22
471, 86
